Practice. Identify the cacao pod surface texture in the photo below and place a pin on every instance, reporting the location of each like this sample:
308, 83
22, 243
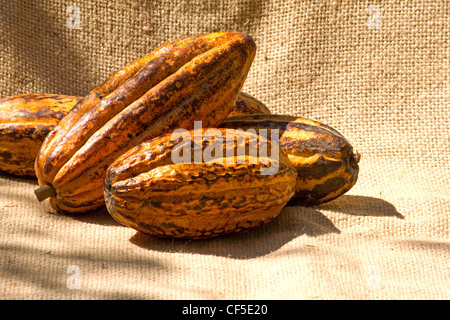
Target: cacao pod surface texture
246, 104
148, 191
193, 78
326, 163
25, 121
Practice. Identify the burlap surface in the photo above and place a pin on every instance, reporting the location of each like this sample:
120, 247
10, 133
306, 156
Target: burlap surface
378, 71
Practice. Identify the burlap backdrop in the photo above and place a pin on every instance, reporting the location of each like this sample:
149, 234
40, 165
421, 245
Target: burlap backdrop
378, 71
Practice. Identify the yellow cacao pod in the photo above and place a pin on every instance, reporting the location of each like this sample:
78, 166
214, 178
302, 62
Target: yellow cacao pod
146, 189
25, 121
194, 78
326, 164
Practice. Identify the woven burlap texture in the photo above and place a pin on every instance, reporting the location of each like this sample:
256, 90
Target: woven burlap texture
377, 71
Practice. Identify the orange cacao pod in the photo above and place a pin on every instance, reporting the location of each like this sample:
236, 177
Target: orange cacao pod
194, 78
147, 190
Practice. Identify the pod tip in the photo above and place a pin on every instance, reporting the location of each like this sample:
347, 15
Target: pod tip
44, 192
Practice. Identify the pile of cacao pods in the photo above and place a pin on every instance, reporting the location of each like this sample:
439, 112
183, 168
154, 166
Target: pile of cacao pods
116, 146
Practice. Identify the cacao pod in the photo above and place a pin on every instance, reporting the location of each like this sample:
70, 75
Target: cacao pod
147, 190
246, 104
327, 167
194, 78
25, 120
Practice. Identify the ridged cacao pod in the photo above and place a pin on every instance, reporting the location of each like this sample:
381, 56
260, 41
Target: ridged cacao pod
25, 121
194, 78
326, 164
147, 190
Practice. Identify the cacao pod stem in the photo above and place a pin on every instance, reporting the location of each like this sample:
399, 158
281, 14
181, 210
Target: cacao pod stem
44, 192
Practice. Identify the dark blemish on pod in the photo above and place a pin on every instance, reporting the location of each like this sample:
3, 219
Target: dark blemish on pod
331, 185
319, 169
174, 226
156, 203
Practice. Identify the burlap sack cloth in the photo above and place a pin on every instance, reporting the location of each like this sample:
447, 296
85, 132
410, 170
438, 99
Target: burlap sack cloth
377, 71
